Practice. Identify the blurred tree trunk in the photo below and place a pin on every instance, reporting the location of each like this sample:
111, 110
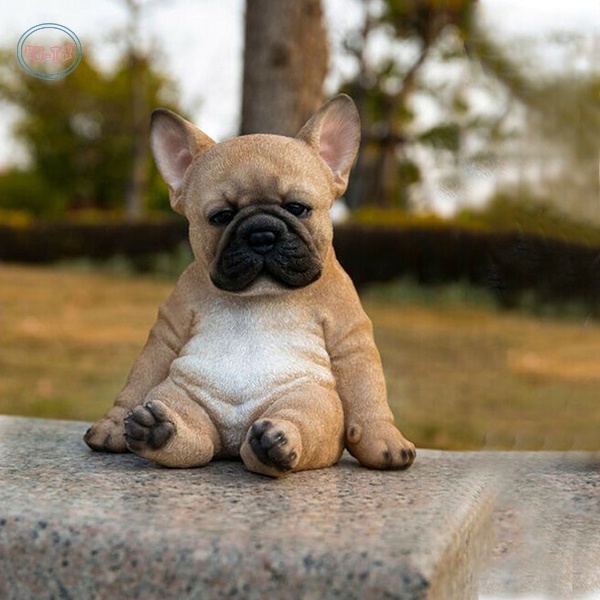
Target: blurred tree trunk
140, 116
285, 63
140, 111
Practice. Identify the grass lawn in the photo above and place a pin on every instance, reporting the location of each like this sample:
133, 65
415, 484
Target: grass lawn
459, 377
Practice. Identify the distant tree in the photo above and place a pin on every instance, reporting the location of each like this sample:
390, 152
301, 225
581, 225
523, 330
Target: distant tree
384, 89
544, 126
556, 152
78, 132
285, 63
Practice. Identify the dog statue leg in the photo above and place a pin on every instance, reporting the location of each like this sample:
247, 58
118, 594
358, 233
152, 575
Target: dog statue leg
298, 432
168, 334
171, 429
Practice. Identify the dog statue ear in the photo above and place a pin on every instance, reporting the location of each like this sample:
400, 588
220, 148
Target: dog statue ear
175, 142
334, 133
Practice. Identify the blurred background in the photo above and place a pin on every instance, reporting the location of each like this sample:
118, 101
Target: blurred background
471, 225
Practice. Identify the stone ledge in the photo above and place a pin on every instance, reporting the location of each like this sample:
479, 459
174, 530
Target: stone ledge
75, 524
546, 525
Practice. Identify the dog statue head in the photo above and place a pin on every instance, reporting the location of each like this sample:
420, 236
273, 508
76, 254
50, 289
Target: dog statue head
258, 205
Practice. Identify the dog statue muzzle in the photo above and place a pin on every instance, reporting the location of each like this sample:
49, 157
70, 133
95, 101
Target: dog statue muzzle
268, 242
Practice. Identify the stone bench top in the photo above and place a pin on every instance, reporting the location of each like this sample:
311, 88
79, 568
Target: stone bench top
82, 525
79, 524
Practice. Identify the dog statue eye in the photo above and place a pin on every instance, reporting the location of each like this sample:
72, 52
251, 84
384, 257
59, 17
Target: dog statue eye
297, 209
223, 217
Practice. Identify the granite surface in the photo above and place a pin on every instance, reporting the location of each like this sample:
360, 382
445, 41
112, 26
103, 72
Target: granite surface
547, 527
77, 524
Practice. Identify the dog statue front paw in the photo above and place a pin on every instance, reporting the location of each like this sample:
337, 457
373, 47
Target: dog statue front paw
108, 434
379, 445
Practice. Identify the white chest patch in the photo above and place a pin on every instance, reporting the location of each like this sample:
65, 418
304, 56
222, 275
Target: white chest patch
244, 355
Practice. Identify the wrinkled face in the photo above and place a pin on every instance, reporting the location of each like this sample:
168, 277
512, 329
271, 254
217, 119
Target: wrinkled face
258, 205
258, 208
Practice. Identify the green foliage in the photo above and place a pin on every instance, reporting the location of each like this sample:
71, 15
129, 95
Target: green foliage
530, 214
408, 173
79, 135
27, 192
163, 265
505, 212
442, 137
456, 294
425, 19
382, 217
560, 125
96, 237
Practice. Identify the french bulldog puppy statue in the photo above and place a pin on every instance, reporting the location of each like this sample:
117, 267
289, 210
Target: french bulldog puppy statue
262, 350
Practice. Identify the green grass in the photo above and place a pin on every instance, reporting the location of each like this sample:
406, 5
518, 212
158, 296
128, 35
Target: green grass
460, 374
472, 378
68, 339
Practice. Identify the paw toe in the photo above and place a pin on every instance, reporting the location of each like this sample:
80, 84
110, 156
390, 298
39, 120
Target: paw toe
135, 431
142, 416
408, 455
259, 428
105, 436
161, 434
158, 410
400, 458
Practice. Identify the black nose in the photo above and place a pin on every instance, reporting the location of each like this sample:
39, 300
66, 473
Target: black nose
262, 241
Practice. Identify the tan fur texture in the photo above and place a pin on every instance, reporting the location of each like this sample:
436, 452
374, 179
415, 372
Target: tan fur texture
263, 350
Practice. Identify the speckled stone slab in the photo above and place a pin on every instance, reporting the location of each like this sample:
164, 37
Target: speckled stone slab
81, 525
547, 527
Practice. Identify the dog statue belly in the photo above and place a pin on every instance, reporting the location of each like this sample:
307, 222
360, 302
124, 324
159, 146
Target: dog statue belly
239, 360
